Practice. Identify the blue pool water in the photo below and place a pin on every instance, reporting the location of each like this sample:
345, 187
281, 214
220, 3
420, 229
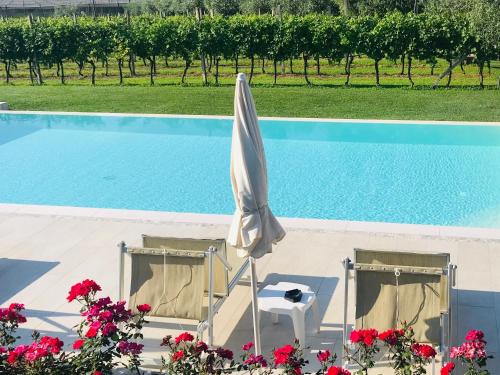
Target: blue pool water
404, 173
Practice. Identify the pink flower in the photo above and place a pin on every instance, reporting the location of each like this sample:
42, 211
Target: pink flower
78, 344
247, 346
474, 335
255, 360
323, 356
145, 308
448, 368
471, 350
184, 337
337, 371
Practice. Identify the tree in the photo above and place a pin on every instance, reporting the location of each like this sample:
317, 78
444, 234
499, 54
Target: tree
248, 30
371, 40
12, 46
37, 41
186, 45
146, 42
300, 31
454, 42
121, 34
224, 7
95, 43
399, 33
485, 25
214, 41
62, 43
255, 6
350, 42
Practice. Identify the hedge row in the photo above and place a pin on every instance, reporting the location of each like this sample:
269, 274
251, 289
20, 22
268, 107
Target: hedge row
56, 41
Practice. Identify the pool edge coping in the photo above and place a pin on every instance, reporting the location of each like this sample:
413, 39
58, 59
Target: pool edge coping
217, 219
266, 118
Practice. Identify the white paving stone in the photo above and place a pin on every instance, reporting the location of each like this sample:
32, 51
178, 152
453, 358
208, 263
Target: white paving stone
43, 252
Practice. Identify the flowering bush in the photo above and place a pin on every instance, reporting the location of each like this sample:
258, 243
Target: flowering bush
365, 349
189, 356
407, 356
472, 354
109, 334
106, 332
106, 338
10, 318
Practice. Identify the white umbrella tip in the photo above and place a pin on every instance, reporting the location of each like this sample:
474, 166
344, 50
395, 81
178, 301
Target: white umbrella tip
241, 77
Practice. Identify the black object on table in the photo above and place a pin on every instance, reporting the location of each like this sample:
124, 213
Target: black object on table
293, 295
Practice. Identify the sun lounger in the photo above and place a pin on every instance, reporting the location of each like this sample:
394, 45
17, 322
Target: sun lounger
181, 278
394, 287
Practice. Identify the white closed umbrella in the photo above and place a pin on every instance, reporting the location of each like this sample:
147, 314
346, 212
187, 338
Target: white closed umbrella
254, 228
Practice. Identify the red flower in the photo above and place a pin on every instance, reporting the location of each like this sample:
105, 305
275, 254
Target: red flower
247, 346
108, 329
201, 346
78, 344
93, 330
423, 350
224, 353
11, 314
177, 356
448, 368
474, 334
145, 308
337, 371
184, 337
18, 352
282, 355
364, 336
391, 336
52, 344
297, 371
255, 360
130, 348
97, 372
82, 289
323, 356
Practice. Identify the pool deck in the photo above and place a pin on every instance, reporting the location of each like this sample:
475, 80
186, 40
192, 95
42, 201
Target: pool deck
46, 249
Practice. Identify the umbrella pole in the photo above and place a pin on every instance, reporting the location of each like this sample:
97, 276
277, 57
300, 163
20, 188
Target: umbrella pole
255, 307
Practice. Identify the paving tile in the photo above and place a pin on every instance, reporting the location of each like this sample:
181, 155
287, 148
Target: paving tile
46, 254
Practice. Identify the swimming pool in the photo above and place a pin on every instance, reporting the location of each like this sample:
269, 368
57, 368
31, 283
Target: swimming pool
361, 171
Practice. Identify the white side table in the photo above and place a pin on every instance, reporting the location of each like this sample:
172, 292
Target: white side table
271, 299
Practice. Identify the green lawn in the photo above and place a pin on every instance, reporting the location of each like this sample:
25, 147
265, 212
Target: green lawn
338, 102
327, 97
